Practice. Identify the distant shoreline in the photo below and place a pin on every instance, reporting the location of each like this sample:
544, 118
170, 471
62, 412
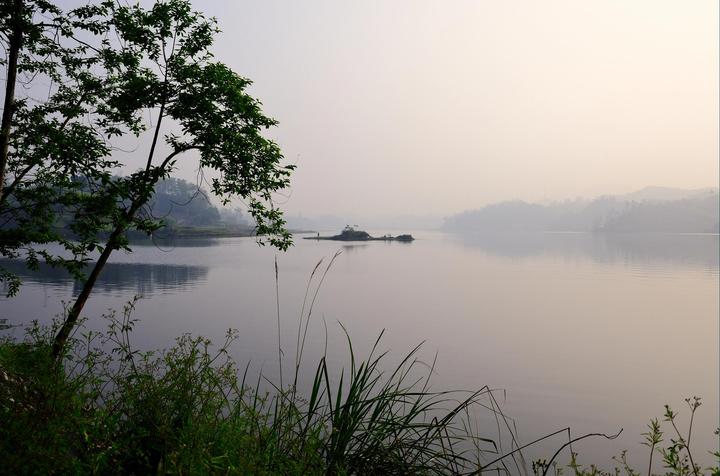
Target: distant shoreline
207, 233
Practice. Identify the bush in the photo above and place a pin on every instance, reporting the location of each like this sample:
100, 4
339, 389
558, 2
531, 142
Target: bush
111, 409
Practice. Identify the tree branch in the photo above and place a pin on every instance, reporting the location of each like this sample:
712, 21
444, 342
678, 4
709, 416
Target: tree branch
10, 188
176, 153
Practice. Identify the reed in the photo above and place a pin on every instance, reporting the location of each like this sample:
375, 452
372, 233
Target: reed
114, 409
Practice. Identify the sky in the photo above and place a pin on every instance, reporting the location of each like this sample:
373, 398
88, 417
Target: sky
437, 106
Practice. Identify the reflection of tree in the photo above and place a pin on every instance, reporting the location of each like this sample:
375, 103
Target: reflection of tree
119, 278
352, 248
636, 248
165, 243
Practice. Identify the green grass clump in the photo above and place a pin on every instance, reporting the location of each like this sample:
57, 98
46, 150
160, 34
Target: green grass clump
671, 447
111, 409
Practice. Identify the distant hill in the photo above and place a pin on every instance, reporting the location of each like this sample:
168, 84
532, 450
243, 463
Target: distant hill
183, 204
689, 215
652, 209
667, 194
178, 202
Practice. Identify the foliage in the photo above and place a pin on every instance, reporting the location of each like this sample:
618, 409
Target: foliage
103, 89
177, 202
110, 66
112, 409
677, 459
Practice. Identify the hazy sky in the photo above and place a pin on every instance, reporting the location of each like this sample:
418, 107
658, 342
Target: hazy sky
433, 107
393, 106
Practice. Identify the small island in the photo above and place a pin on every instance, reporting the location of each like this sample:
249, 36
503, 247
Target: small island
351, 234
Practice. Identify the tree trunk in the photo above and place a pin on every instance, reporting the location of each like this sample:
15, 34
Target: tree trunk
74, 313
150, 181
8, 106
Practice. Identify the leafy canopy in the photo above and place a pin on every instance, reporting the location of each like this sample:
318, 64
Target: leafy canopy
110, 67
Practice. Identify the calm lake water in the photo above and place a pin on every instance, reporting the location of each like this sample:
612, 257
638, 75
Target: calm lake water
596, 332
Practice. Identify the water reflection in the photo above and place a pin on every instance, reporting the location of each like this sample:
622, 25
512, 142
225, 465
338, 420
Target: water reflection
118, 279
353, 247
698, 250
168, 242
559, 320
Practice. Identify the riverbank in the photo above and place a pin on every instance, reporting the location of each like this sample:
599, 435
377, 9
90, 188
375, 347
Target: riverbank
189, 410
205, 232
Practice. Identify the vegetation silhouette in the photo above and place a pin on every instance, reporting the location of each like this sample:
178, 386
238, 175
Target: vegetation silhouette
74, 401
111, 65
349, 233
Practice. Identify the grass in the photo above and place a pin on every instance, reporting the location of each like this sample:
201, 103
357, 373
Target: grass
188, 410
113, 409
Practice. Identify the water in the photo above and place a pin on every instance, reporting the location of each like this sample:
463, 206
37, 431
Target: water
595, 332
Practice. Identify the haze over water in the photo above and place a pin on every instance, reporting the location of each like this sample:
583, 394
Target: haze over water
592, 331
479, 115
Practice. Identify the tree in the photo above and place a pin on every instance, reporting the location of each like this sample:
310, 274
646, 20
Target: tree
111, 66
178, 202
24, 40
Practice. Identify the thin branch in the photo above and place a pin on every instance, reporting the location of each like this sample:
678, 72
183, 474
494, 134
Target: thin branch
610, 437
176, 153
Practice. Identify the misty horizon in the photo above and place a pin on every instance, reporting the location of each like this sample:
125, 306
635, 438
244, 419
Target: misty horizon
430, 108
435, 221
360, 237
425, 108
